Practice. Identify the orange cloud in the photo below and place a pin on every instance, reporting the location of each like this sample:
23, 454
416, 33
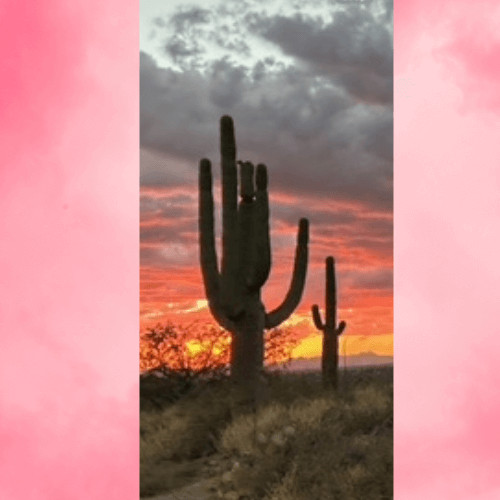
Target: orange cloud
359, 239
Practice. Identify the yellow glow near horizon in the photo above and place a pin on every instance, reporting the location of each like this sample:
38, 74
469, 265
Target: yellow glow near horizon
195, 347
310, 347
382, 345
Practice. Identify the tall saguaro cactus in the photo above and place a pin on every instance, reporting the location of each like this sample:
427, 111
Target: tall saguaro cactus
330, 356
234, 291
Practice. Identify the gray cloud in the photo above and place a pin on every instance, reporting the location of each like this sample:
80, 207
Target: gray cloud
380, 279
313, 137
185, 19
171, 255
355, 49
320, 118
167, 207
185, 41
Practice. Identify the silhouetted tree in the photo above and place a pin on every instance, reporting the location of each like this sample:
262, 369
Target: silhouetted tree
197, 350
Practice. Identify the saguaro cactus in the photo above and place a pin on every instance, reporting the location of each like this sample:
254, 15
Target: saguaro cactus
234, 292
330, 356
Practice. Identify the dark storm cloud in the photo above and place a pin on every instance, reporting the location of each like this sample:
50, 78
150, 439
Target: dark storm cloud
227, 84
355, 49
311, 134
168, 219
183, 231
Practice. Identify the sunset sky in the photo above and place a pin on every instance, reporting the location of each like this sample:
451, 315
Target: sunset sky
309, 85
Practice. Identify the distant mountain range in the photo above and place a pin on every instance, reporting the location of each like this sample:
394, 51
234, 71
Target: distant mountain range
357, 360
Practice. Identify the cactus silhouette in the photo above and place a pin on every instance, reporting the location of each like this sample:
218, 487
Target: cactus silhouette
330, 356
234, 291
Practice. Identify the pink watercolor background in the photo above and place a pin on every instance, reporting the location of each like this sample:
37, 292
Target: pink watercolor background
69, 250
447, 247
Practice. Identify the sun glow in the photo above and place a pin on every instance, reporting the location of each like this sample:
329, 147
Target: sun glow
350, 345
195, 347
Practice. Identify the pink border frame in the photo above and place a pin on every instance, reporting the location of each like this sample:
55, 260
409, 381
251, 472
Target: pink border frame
69, 251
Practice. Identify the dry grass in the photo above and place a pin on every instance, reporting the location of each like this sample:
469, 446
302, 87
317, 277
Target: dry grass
174, 438
301, 443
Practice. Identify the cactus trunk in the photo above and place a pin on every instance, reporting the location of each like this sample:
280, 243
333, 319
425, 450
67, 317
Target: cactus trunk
234, 292
330, 359
247, 348
330, 356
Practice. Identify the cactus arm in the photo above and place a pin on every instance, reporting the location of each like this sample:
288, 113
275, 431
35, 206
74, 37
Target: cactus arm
246, 209
247, 191
330, 294
292, 299
208, 254
261, 262
229, 271
317, 317
340, 328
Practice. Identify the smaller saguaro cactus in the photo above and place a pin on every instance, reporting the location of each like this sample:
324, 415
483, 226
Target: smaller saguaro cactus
331, 332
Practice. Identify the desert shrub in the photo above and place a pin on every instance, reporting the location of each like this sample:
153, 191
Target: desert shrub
164, 476
177, 360
348, 455
317, 446
278, 346
187, 429
334, 464
157, 392
244, 433
306, 443
188, 351
366, 377
251, 479
286, 387
203, 350
369, 408
264, 443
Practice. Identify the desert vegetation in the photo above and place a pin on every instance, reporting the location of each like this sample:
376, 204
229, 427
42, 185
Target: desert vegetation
301, 441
